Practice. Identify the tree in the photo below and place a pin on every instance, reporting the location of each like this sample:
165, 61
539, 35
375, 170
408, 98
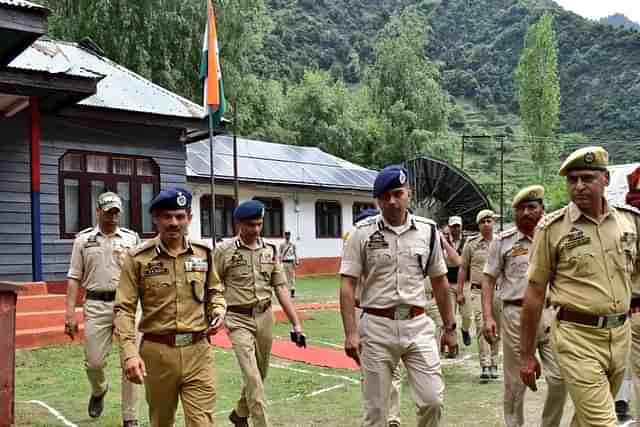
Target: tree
538, 90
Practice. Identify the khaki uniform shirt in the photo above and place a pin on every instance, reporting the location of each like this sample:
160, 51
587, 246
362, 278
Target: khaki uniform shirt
588, 263
288, 252
392, 261
474, 257
96, 258
507, 262
167, 285
249, 275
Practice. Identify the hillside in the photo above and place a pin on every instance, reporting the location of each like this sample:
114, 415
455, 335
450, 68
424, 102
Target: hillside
477, 44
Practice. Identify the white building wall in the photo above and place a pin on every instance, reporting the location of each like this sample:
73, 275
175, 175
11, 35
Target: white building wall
298, 212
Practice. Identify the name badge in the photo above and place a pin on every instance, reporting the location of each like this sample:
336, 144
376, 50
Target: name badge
196, 264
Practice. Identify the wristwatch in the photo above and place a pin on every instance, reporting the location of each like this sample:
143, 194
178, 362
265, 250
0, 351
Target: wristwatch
451, 329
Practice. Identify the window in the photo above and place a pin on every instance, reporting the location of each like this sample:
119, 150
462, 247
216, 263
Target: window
328, 219
273, 217
359, 207
84, 176
224, 215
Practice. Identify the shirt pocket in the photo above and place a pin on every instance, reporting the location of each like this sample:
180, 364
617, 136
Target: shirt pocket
414, 260
157, 287
582, 263
379, 259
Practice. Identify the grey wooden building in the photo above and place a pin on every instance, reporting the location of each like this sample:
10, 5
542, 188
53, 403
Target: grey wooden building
72, 125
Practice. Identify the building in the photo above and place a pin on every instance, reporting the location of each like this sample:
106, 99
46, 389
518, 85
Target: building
618, 185
306, 191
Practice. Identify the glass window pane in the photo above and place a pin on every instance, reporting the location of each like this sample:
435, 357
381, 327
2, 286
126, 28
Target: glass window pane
97, 164
125, 195
71, 206
122, 166
147, 196
144, 167
72, 162
97, 188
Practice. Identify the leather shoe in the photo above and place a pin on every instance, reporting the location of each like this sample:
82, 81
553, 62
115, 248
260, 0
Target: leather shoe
466, 338
237, 420
96, 405
484, 375
393, 424
130, 423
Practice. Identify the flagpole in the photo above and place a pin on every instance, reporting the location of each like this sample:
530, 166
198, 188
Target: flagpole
212, 212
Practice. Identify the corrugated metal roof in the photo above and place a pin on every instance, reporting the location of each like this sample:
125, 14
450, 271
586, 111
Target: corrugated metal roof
267, 162
120, 89
618, 185
22, 4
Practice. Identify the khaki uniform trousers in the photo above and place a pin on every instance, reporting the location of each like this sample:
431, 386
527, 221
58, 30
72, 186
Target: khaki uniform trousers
592, 363
635, 357
290, 272
431, 310
384, 343
251, 339
186, 373
488, 352
98, 340
464, 310
514, 388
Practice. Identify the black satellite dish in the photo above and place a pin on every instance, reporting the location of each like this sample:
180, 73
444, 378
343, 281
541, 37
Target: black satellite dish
441, 190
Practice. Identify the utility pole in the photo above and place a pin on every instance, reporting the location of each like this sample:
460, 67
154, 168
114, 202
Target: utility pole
462, 153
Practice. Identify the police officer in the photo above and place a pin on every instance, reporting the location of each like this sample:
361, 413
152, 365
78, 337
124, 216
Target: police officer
289, 256
393, 253
182, 301
457, 241
96, 260
507, 262
587, 252
251, 271
474, 257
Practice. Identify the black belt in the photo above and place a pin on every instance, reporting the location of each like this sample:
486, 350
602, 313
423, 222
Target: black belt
106, 296
288, 261
516, 302
398, 312
258, 308
476, 286
608, 321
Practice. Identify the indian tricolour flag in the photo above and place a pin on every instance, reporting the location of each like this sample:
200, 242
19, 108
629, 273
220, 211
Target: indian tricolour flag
210, 69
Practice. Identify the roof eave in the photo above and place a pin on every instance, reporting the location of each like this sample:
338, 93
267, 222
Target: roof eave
199, 179
134, 117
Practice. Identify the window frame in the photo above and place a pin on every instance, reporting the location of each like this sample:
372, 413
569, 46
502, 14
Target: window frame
337, 235
268, 208
111, 181
205, 203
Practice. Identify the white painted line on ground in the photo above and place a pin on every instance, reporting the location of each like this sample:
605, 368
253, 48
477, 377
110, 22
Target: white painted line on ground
321, 374
446, 362
53, 412
323, 342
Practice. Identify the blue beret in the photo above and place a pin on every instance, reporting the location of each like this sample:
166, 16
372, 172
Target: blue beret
366, 214
251, 209
171, 198
389, 178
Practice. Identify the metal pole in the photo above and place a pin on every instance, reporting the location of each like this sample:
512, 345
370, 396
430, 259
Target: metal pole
236, 185
212, 212
501, 183
462, 154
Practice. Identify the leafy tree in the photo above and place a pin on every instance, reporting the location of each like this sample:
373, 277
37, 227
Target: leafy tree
538, 90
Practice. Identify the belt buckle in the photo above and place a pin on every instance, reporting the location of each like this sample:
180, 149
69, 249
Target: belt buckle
260, 307
612, 321
184, 339
402, 312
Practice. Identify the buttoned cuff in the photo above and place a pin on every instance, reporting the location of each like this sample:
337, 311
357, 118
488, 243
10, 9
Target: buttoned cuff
129, 350
349, 268
491, 273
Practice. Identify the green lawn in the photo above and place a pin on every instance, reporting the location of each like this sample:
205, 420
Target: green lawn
299, 394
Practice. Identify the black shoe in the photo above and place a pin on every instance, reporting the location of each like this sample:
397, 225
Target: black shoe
484, 375
393, 424
237, 420
622, 411
293, 293
96, 405
130, 423
493, 372
466, 338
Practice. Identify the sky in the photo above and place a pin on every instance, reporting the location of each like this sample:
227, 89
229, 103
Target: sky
595, 9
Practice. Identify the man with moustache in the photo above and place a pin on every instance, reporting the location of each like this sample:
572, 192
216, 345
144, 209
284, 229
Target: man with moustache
182, 302
96, 260
588, 254
507, 261
392, 253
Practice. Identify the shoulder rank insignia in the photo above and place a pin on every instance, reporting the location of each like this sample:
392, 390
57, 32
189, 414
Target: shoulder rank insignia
549, 219
626, 207
507, 233
143, 247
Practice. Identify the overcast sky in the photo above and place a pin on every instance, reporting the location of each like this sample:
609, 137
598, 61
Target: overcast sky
595, 9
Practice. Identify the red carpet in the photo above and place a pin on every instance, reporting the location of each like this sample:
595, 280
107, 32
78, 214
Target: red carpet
314, 355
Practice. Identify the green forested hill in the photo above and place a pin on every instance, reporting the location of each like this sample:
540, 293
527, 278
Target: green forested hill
477, 44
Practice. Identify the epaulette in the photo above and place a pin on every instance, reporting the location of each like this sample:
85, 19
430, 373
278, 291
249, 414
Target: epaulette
270, 243
424, 220
549, 219
126, 230
367, 221
144, 246
474, 237
507, 233
86, 230
201, 243
626, 207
